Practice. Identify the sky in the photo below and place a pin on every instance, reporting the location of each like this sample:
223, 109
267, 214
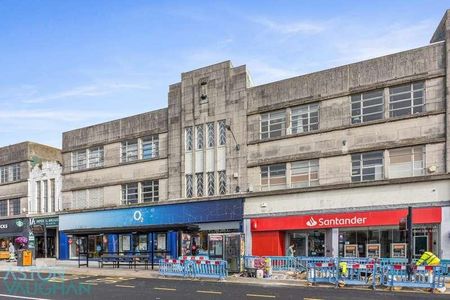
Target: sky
74, 63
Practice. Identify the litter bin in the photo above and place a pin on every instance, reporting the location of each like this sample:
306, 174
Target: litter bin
25, 258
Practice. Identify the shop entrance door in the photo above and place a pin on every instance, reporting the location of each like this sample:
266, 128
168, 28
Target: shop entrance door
300, 241
420, 243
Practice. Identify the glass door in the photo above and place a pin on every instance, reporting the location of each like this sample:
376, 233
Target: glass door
420, 244
232, 251
300, 242
215, 246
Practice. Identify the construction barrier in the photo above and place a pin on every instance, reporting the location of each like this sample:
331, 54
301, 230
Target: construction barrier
323, 272
202, 257
358, 273
194, 268
428, 277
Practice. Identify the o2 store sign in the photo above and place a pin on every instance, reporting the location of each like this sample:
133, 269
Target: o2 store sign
350, 219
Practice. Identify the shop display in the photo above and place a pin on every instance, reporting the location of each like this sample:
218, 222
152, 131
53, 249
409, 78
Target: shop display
351, 250
398, 250
373, 250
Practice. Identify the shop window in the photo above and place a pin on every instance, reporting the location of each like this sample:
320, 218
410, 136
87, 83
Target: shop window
367, 166
129, 151
199, 184
124, 243
222, 132
273, 177
211, 184
130, 193
200, 137
189, 186
4, 208
305, 173
150, 191
211, 135
150, 147
160, 243
188, 138
305, 118
367, 107
14, 207
222, 182
406, 162
406, 99
273, 124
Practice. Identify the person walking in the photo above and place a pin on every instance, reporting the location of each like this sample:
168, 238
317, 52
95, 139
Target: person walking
291, 250
12, 252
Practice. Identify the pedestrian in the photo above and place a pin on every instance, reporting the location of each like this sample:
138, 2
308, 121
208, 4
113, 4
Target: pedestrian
12, 252
291, 250
194, 248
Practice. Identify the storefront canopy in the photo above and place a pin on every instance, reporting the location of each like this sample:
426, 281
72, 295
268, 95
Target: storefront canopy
154, 217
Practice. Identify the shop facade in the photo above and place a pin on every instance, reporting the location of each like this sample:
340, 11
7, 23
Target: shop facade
349, 234
163, 230
10, 229
45, 232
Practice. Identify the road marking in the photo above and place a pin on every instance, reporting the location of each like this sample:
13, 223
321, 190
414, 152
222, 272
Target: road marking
89, 283
262, 296
25, 279
210, 292
312, 299
125, 286
22, 297
164, 289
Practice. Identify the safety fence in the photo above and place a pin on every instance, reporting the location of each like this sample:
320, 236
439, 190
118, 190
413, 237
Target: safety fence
201, 268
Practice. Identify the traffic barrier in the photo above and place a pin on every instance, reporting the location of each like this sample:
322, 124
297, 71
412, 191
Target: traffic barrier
428, 277
174, 267
202, 257
323, 272
283, 263
210, 269
355, 273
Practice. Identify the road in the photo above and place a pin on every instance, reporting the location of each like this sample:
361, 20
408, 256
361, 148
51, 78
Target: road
33, 287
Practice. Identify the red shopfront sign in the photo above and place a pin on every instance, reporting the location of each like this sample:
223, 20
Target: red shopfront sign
351, 219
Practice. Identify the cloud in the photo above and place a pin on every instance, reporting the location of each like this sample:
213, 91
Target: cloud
93, 90
290, 28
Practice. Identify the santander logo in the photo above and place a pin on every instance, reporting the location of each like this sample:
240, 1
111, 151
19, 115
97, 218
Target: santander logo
311, 222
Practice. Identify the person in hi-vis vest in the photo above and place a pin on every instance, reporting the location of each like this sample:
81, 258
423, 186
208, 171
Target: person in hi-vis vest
428, 258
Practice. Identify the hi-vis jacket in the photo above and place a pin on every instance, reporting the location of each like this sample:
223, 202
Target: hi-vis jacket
429, 258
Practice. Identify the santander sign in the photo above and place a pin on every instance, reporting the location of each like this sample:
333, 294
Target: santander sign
335, 221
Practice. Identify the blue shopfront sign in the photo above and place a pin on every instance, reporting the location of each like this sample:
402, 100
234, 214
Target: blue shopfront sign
170, 214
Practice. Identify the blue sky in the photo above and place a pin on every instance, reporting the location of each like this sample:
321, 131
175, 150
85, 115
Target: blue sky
70, 64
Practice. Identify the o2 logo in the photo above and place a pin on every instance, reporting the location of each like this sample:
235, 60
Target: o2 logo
137, 216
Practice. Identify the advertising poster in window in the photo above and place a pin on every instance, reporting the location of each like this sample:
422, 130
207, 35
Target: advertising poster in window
351, 250
373, 250
398, 250
126, 243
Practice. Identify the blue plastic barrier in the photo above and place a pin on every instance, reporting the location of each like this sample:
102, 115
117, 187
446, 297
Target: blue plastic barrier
323, 272
359, 273
173, 267
198, 257
428, 277
210, 269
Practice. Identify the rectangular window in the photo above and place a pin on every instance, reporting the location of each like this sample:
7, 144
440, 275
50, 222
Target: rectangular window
406, 99
150, 147
200, 137
45, 186
222, 132
38, 197
273, 124
150, 191
188, 138
189, 186
130, 151
406, 162
79, 161
211, 135
273, 177
199, 184
305, 173
4, 208
211, 184
79, 199
14, 207
367, 107
96, 197
4, 174
305, 118
130, 193
222, 182
96, 157
15, 172
367, 166
52, 195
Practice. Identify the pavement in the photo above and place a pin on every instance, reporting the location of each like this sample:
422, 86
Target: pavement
107, 283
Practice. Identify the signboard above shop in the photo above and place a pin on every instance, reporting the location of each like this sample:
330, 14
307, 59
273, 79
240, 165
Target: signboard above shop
12, 226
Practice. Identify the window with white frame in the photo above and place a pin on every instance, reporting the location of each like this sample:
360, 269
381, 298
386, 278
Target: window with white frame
407, 162
222, 132
367, 106
222, 182
189, 186
10, 173
4, 208
130, 193
273, 124
38, 196
200, 184
305, 118
407, 99
200, 137
79, 161
367, 166
150, 191
211, 184
188, 138
273, 177
211, 135
14, 207
150, 147
305, 173
45, 194
130, 150
52, 195
96, 157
